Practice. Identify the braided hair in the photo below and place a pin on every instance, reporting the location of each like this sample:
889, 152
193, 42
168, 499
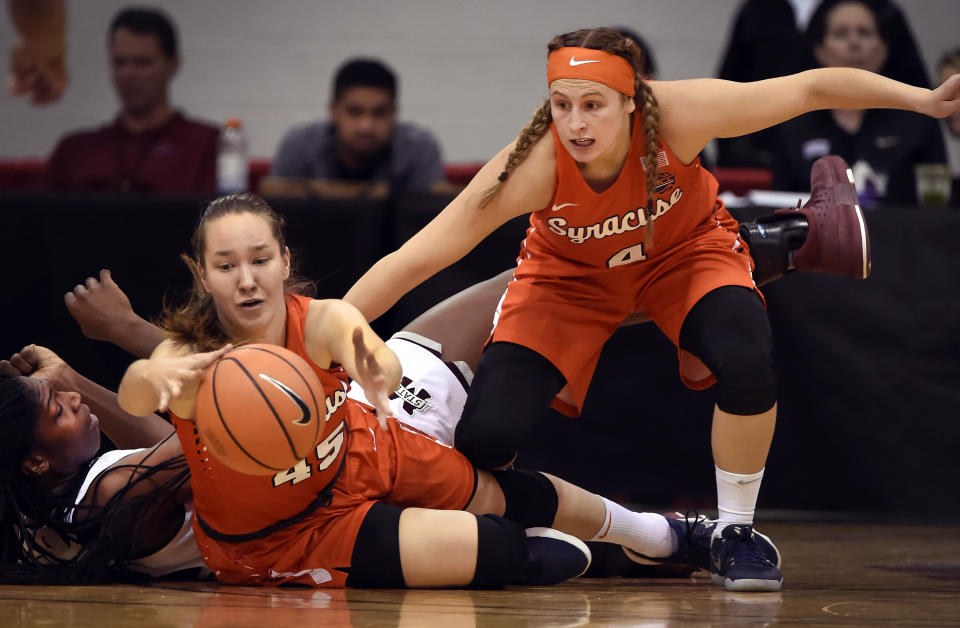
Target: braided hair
45, 537
614, 42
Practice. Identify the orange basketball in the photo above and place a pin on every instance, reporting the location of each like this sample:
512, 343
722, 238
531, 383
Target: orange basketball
260, 409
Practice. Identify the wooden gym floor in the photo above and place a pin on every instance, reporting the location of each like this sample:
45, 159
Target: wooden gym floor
835, 574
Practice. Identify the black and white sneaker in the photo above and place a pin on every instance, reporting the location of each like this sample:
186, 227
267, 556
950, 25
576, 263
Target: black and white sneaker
554, 557
741, 560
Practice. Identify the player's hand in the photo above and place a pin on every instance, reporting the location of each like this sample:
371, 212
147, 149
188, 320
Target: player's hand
372, 379
944, 100
43, 79
100, 306
169, 375
39, 363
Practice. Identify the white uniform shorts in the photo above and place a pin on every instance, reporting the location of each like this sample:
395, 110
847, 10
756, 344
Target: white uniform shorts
431, 393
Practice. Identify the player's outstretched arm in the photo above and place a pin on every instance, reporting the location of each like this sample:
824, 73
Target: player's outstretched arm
104, 313
457, 229
125, 430
167, 379
336, 332
695, 111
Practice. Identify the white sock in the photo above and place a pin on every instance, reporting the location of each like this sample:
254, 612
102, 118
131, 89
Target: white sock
644, 532
736, 497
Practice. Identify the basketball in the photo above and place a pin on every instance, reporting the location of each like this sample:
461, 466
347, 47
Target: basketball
260, 409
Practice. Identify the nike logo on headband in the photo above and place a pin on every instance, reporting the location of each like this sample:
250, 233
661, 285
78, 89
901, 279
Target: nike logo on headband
574, 63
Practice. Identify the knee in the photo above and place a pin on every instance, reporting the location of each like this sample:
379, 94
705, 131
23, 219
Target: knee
503, 552
729, 331
485, 443
747, 382
510, 393
531, 498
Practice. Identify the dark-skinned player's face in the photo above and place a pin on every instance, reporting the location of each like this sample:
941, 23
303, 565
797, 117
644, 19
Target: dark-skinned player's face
66, 434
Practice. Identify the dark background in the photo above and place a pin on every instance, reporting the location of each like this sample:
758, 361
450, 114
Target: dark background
869, 370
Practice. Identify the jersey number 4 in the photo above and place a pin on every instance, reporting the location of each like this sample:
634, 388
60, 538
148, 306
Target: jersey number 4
626, 256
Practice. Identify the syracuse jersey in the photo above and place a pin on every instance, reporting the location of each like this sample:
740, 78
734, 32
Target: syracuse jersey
582, 231
266, 500
583, 266
300, 525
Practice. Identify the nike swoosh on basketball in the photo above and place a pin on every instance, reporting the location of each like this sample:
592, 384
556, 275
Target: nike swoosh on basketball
562, 205
574, 63
304, 409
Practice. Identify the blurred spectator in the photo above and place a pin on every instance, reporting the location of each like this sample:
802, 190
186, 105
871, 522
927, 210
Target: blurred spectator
37, 65
882, 145
768, 39
948, 65
362, 142
149, 147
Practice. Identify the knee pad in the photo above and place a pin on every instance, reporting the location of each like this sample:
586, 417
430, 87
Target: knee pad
729, 331
510, 393
747, 384
503, 552
375, 562
531, 497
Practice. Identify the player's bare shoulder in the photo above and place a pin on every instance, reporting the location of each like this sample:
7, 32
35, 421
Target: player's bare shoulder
530, 186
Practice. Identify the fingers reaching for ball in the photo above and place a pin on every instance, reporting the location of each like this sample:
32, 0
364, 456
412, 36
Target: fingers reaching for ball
372, 378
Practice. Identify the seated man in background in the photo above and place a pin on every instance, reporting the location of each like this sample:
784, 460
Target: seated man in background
362, 145
149, 147
882, 146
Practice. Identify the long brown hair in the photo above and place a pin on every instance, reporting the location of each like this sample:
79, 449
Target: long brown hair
195, 322
614, 42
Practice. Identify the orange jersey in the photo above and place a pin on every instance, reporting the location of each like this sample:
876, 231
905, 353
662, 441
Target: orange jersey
583, 267
582, 231
300, 525
266, 500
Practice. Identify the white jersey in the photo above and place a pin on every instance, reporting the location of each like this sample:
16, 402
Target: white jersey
432, 392
180, 553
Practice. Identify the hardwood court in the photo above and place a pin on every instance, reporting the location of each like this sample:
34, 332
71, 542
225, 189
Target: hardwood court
835, 574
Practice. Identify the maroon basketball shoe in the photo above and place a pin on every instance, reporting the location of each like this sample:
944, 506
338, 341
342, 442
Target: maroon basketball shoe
837, 241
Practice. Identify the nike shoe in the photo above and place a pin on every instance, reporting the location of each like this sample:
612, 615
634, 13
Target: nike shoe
837, 241
694, 535
740, 560
554, 557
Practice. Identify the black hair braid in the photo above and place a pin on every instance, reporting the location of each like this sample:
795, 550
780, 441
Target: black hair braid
39, 546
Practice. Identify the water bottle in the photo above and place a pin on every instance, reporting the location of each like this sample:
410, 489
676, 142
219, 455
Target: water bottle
232, 168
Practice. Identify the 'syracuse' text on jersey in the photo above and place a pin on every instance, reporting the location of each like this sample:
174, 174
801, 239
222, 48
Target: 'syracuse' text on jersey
582, 231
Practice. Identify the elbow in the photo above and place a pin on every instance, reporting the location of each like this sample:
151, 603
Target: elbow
813, 90
132, 403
